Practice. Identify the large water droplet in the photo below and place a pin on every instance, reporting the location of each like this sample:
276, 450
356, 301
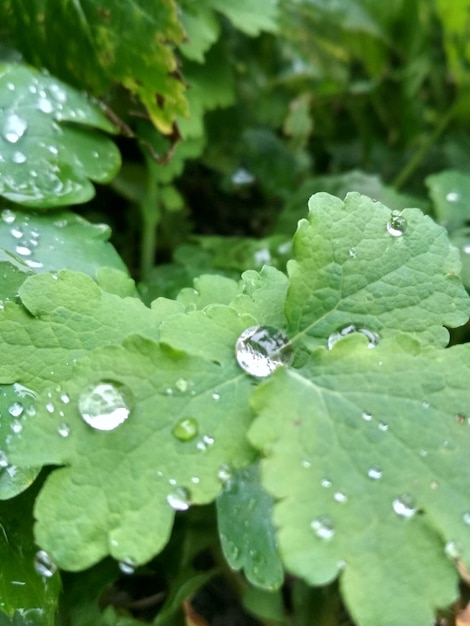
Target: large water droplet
45, 105
396, 226
14, 128
186, 429
260, 350
179, 499
404, 506
323, 527
44, 565
106, 405
372, 337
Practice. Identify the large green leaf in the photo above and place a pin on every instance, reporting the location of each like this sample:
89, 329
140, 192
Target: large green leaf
128, 43
449, 191
454, 20
49, 155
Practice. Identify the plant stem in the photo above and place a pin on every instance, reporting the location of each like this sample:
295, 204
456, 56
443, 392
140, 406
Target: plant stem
150, 211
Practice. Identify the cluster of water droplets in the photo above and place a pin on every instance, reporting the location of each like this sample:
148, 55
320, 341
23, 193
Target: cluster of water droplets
260, 350
105, 405
25, 238
373, 338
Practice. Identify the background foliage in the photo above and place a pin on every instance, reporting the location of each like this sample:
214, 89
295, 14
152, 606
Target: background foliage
198, 131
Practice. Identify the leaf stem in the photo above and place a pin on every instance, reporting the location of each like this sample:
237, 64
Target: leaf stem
150, 211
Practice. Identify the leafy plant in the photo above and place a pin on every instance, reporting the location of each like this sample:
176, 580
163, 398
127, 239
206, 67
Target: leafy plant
277, 414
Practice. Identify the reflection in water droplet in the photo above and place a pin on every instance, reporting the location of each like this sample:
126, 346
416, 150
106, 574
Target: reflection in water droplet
179, 499
63, 430
18, 157
453, 196
8, 216
372, 337
16, 232
44, 565
16, 427
323, 527
216, 396
453, 550
366, 416
182, 385
383, 426
205, 443
3, 460
341, 497
260, 350
397, 224
242, 177
65, 398
404, 506
186, 429
106, 405
50, 408
375, 473
325, 483
15, 409
14, 128
127, 566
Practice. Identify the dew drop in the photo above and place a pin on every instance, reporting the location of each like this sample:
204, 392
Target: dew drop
16, 232
404, 506
372, 337
396, 226
15, 409
65, 398
216, 396
453, 196
179, 499
106, 405
23, 250
14, 128
242, 177
366, 416
50, 408
3, 460
127, 566
323, 527
306, 464
375, 473
63, 430
16, 427
340, 497
205, 443
8, 216
466, 518
186, 429
260, 350
383, 426
453, 550
44, 565
325, 483
225, 474
19, 157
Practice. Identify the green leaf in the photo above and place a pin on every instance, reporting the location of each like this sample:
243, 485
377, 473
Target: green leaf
49, 155
46, 243
349, 269
128, 44
202, 29
449, 191
249, 17
246, 533
366, 454
28, 598
456, 33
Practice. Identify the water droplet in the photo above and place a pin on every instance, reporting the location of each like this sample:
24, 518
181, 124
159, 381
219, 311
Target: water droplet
453, 196
242, 177
15, 409
127, 566
352, 252
179, 499
182, 385
225, 474
466, 518
3, 460
426, 404
10, 86
366, 416
44, 565
16, 232
306, 464
453, 550
434, 484
14, 128
23, 250
396, 225
18, 157
195, 480
65, 398
216, 396
323, 527
325, 483
383, 426
50, 408
16, 427
375, 473
45, 105
106, 405
260, 350
372, 337
341, 497
8, 216
63, 429
404, 506
186, 429
33, 264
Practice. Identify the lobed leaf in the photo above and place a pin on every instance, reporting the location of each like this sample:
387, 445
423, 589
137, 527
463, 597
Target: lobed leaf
49, 155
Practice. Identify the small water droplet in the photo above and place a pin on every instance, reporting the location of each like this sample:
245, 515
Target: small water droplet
396, 226
453, 196
18, 157
375, 473
224, 473
352, 252
205, 443
15, 409
383, 426
186, 429
466, 248
45, 105
10, 86
341, 497
33, 264
466, 518
127, 566
404, 506
3, 460
50, 408
44, 565
106, 405
195, 480
453, 550
216, 396
306, 464
325, 483
8, 216
63, 430
16, 232
260, 350
14, 128
65, 398
372, 337
16, 426
366, 416
323, 527
179, 499
242, 177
